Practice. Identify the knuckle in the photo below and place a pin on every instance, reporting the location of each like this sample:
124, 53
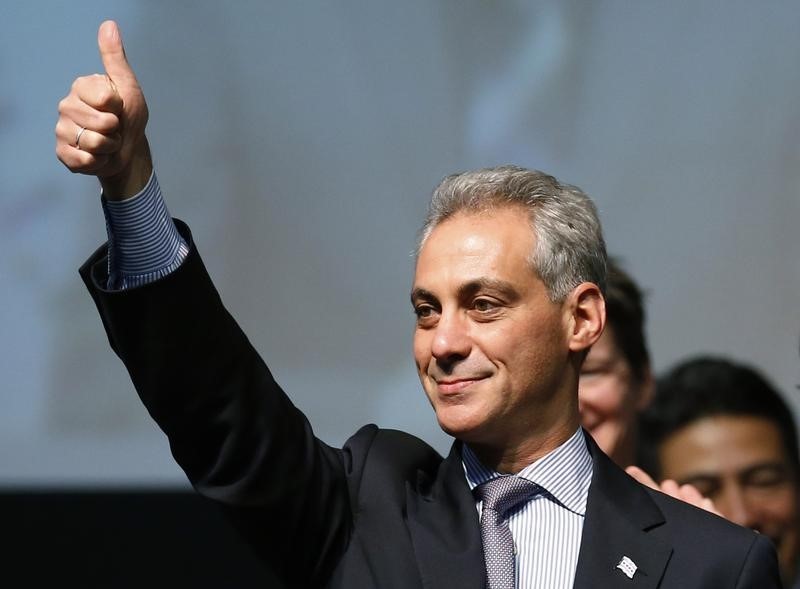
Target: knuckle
105, 122
88, 144
107, 99
80, 83
105, 96
85, 160
68, 104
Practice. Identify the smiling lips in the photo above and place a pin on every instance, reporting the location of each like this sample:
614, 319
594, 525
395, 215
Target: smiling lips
591, 424
455, 385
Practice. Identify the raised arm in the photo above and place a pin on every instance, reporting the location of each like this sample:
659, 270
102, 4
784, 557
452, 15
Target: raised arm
231, 428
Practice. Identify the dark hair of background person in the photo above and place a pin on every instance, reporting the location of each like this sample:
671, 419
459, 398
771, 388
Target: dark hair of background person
705, 387
626, 316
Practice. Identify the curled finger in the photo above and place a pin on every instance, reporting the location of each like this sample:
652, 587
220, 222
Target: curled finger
79, 161
641, 476
96, 143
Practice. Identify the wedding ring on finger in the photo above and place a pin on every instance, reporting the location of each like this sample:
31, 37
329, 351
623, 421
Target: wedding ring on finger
78, 137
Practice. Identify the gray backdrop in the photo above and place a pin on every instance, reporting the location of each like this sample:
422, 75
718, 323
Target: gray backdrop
301, 140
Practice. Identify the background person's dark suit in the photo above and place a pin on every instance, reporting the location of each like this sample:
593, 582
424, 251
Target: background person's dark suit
386, 510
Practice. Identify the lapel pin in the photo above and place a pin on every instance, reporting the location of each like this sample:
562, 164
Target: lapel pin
627, 566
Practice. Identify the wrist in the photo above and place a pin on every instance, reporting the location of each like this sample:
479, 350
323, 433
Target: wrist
133, 178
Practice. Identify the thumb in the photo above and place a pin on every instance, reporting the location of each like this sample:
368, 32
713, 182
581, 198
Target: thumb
109, 40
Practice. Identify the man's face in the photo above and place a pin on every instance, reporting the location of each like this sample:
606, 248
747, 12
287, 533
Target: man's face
740, 463
610, 398
490, 347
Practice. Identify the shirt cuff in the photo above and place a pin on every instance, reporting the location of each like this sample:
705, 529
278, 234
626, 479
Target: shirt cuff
143, 242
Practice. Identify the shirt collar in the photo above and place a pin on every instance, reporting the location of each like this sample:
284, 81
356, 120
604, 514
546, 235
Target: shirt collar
565, 473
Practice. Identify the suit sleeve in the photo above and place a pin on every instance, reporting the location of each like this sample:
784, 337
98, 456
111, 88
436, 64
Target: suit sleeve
231, 428
760, 568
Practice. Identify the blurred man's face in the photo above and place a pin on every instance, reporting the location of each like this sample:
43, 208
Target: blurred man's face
610, 398
740, 463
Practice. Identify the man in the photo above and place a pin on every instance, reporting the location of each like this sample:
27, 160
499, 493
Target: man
721, 427
616, 382
508, 298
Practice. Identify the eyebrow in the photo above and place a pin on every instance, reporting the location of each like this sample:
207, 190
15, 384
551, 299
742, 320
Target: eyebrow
421, 293
748, 471
474, 286
470, 289
696, 478
780, 467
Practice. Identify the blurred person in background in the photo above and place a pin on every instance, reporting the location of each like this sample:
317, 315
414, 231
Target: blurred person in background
616, 382
723, 428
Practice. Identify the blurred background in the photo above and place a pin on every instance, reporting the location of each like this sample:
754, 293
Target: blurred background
301, 141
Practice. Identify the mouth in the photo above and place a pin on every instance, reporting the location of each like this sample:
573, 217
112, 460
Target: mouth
589, 419
590, 424
455, 386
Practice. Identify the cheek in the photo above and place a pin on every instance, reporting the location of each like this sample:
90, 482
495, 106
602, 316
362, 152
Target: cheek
781, 510
603, 395
421, 350
534, 358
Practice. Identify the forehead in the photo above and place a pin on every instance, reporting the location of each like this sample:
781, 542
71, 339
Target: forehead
475, 245
722, 444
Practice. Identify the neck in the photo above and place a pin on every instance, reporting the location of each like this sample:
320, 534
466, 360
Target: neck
512, 458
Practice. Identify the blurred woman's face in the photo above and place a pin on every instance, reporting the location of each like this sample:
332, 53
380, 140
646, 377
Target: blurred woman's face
610, 398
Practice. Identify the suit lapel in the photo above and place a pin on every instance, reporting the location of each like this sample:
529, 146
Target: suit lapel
619, 514
445, 532
444, 528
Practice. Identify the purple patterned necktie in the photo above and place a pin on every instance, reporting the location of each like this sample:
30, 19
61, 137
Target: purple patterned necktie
499, 496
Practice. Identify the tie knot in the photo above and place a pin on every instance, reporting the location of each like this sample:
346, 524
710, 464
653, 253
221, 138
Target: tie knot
505, 492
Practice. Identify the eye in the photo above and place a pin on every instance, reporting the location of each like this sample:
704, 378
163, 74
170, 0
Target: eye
484, 305
426, 314
422, 311
708, 487
594, 368
766, 477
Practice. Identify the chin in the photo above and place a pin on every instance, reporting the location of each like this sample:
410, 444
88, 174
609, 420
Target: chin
459, 423
607, 441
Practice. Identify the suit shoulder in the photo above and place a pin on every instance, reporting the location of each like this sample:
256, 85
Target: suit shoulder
700, 538
381, 461
392, 451
694, 525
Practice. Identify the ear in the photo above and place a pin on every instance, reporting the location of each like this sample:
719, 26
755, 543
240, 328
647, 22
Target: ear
586, 311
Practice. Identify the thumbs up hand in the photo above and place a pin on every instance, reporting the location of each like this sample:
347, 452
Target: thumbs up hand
101, 125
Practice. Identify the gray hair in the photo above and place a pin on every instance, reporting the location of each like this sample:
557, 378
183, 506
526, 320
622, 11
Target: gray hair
569, 239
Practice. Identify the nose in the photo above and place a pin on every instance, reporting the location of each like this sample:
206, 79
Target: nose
585, 407
586, 396
589, 396
451, 341
733, 503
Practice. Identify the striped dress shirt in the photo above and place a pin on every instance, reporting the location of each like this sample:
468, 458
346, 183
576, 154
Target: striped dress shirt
547, 529
143, 242
144, 245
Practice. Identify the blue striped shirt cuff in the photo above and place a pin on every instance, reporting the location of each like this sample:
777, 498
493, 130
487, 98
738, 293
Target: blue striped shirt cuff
143, 242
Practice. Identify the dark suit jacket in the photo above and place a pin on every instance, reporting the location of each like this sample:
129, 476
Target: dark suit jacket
385, 510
